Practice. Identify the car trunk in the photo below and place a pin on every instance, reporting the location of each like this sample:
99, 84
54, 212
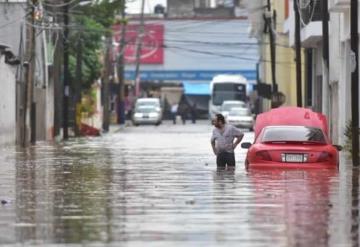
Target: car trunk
294, 153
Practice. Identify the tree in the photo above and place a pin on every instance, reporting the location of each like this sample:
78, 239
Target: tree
92, 26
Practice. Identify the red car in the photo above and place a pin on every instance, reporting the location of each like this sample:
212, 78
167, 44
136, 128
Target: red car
291, 137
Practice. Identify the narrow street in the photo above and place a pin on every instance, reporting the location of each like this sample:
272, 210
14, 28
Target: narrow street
159, 186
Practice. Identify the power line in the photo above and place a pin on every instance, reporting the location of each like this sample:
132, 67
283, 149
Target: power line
59, 5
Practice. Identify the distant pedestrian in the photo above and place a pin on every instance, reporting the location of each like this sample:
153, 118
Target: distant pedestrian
222, 141
193, 113
183, 111
174, 110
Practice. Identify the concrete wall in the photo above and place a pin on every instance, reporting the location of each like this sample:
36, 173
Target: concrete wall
180, 8
12, 24
11, 20
340, 68
7, 103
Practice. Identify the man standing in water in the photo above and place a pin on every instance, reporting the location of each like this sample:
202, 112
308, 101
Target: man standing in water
222, 141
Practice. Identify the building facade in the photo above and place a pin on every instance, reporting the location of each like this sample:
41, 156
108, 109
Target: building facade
8, 101
192, 45
330, 90
13, 26
326, 91
284, 54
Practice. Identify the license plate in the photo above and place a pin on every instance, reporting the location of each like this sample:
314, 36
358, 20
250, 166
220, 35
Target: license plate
296, 158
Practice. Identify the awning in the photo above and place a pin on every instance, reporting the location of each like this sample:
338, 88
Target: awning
196, 88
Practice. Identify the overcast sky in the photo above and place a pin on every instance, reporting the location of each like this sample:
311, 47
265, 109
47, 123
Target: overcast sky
134, 6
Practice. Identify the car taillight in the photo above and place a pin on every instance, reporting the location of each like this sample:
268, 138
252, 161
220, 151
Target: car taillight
263, 155
324, 156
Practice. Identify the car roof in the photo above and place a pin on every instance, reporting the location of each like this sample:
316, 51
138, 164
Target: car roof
147, 99
238, 109
291, 116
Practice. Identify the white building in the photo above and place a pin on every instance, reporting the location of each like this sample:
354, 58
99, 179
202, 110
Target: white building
333, 97
8, 99
13, 35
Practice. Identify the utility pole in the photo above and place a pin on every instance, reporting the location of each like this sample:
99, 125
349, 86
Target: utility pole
58, 82
138, 46
120, 67
66, 72
28, 120
77, 86
355, 81
271, 30
107, 63
325, 60
298, 54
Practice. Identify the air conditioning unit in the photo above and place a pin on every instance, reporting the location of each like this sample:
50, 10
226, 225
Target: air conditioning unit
339, 5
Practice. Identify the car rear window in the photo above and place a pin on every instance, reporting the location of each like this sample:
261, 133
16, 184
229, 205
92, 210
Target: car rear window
145, 109
239, 112
293, 134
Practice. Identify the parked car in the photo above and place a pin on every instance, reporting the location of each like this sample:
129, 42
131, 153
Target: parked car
291, 137
155, 102
227, 105
241, 117
147, 114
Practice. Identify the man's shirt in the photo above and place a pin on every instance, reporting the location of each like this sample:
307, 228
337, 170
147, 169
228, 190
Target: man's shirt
224, 140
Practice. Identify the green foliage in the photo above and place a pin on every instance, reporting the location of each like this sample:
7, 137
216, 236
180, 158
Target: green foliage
88, 103
348, 134
91, 45
90, 27
104, 11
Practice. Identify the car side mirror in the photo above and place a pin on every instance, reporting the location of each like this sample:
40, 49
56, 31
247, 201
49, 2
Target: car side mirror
246, 145
338, 147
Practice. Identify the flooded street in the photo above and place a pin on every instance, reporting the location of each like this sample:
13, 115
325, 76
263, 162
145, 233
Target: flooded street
159, 186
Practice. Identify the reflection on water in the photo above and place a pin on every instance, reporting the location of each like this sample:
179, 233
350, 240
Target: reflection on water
127, 189
295, 203
355, 208
63, 195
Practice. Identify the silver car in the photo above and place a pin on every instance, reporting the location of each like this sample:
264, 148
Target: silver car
227, 105
147, 115
241, 117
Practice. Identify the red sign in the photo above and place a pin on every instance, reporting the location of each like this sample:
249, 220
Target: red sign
152, 42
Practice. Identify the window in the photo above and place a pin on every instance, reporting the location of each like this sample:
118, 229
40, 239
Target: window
293, 134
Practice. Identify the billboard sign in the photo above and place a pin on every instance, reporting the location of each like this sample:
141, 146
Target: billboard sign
152, 43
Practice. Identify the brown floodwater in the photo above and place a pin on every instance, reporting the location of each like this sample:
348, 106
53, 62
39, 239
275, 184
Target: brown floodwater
159, 186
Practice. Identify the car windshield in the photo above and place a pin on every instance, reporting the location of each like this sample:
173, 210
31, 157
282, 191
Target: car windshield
145, 109
228, 106
147, 103
239, 112
293, 134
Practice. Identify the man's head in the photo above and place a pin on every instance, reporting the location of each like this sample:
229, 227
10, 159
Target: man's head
219, 121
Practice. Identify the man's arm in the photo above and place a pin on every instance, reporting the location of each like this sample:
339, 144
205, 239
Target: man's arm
238, 137
213, 146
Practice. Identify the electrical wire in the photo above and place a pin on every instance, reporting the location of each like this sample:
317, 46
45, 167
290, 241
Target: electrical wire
13, 21
312, 11
59, 5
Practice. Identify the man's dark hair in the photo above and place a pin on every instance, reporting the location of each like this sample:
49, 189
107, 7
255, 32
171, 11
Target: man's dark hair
220, 117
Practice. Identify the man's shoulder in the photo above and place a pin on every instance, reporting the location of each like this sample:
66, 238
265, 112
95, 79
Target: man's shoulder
216, 131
